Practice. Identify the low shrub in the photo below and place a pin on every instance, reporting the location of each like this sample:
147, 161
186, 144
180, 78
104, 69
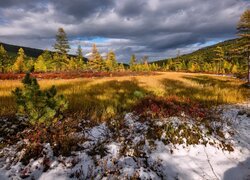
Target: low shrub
61, 136
160, 107
39, 107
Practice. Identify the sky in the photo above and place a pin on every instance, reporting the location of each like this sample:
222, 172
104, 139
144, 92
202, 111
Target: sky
154, 28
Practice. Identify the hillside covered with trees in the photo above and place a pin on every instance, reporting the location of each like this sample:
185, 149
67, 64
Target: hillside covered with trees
228, 57
224, 57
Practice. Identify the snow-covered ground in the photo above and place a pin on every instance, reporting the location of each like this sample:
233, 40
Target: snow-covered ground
104, 157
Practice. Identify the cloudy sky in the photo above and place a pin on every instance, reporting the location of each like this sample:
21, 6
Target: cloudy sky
155, 28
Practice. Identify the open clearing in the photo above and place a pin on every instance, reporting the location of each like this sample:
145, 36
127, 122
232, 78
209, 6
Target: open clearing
106, 97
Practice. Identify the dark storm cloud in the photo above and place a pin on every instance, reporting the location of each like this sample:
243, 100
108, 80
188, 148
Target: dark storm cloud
156, 28
82, 8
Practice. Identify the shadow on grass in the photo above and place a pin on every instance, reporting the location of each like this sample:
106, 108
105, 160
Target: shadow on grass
206, 90
210, 81
224, 84
103, 100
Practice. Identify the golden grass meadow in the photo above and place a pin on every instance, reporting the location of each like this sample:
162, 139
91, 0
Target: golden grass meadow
108, 97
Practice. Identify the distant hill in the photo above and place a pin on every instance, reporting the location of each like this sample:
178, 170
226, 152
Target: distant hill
206, 53
30, 52
13, 49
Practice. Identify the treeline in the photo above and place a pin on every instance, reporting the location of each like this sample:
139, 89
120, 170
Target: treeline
226, 57
60, 60
223, 58
55, 62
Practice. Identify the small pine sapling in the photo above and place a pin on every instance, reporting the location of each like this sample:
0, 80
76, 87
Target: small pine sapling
40, 107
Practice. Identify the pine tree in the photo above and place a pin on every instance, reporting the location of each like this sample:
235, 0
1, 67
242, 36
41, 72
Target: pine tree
79, 53
62, 45
40, 107
132, 62
178, 61
80, 61
219, 58
244, 32
4, 59
95, 61
233, 57
111, 62
19, 65
40, 65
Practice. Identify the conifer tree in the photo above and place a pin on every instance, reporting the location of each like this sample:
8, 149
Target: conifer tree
121, 67
79, 54
4, 59
62, 45
111, 62
132, 62
244, 32
56, 62
219, 58
30, 65
48, 59
40, 107
95, 61
19, 65
40, 65
73, 64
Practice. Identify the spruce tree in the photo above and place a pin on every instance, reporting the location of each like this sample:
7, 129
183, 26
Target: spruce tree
80, 61
79, 53
244, 32
62, 45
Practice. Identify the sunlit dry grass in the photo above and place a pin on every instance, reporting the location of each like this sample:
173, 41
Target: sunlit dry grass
104, 98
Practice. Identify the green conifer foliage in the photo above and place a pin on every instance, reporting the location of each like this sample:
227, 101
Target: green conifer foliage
219, 58
62, 45
40, 107
244, 32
